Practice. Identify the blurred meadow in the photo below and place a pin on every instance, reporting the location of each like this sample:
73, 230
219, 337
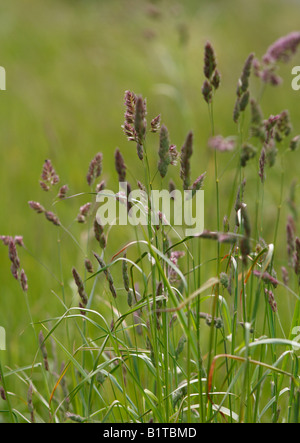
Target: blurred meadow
68, 64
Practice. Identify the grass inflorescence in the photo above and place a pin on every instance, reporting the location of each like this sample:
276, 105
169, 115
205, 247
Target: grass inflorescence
167, 329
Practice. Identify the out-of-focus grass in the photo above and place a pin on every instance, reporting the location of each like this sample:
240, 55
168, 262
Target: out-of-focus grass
68, 64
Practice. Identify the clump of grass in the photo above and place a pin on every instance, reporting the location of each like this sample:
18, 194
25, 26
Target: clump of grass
135, 347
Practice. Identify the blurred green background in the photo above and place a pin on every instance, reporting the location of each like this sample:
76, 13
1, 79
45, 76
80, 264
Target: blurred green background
68, 64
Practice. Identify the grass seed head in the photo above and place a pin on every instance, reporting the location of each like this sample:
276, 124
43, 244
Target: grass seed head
120, 165
155, 124
107, 274
186, 153
140, 123
49, 177
88, 266
221, 144
163, 152
99, 234
243, 83
285, 275
282, 49
24, 281
210, 63
95, 169
63, 192
43, 350
12, 253
36, 206
262, 164
52, 218
80, 288
198, 183
2, 393
207, 91
125, 274
271, 300
216, 79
